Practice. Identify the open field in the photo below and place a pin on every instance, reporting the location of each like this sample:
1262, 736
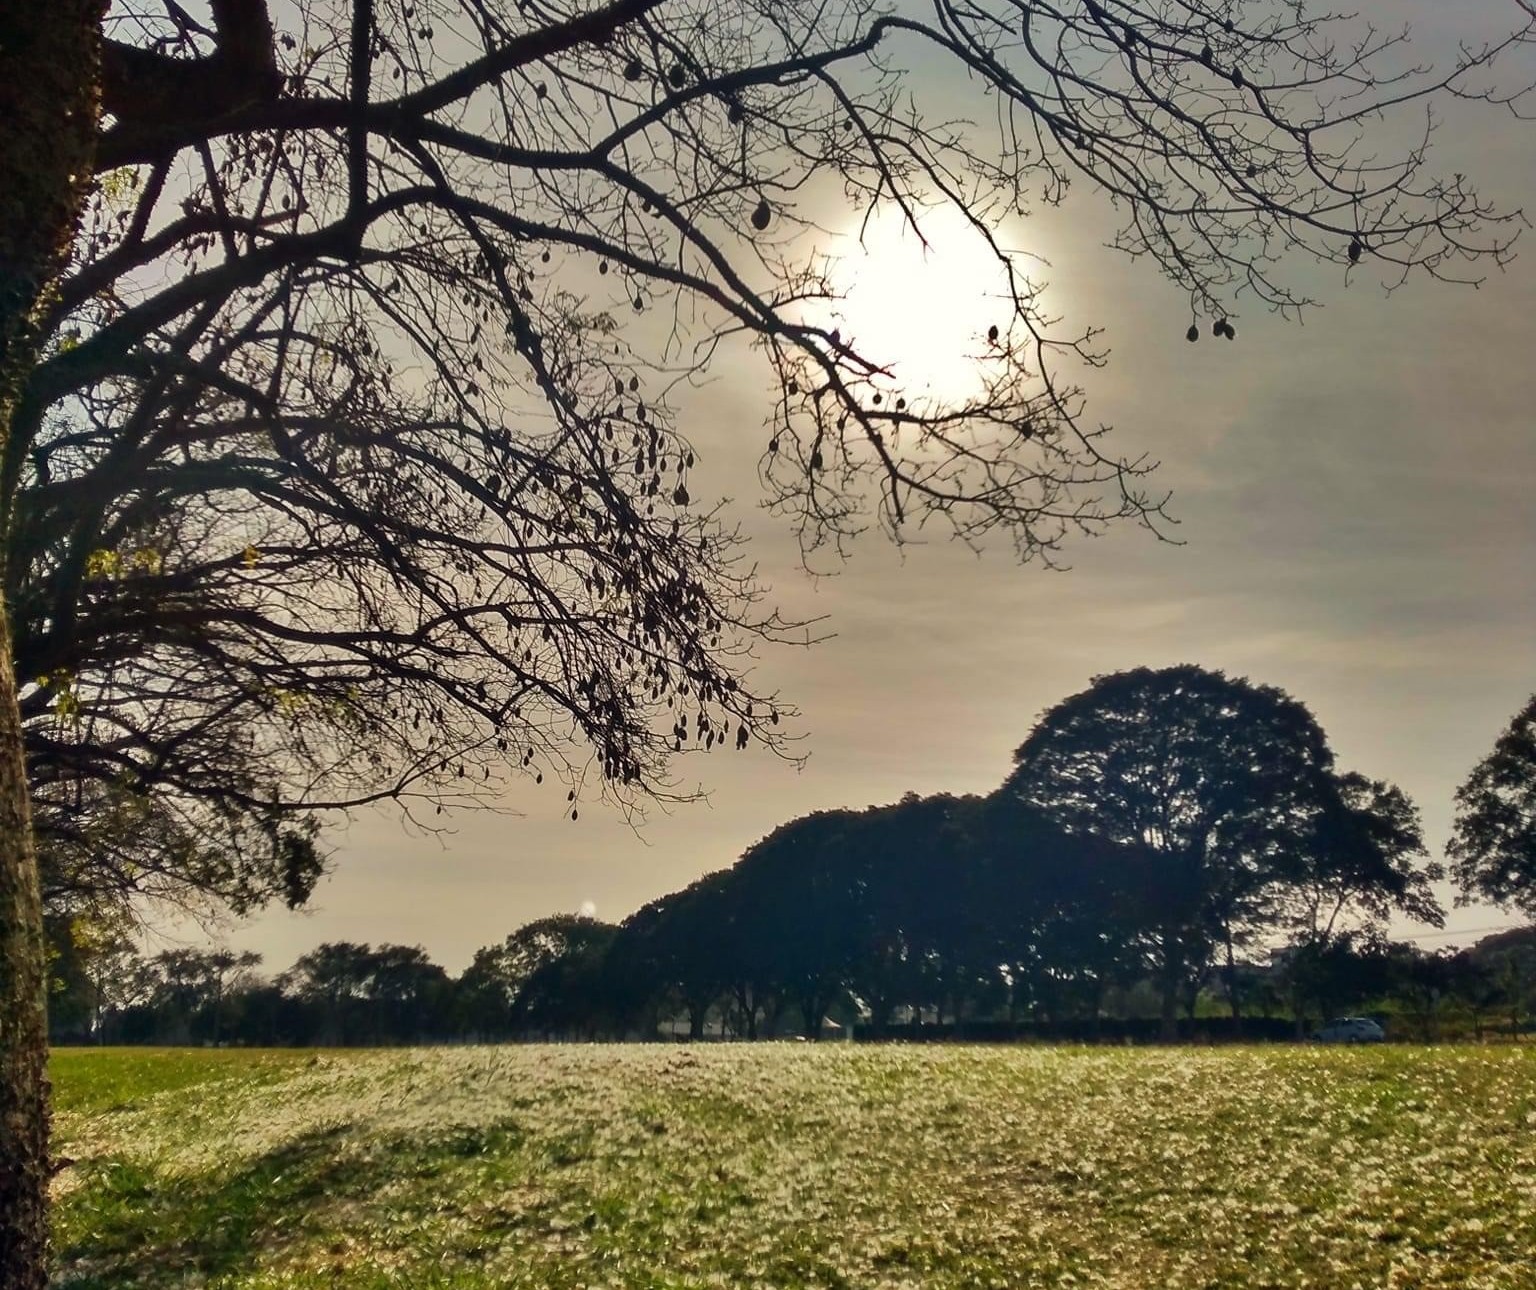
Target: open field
797, 1166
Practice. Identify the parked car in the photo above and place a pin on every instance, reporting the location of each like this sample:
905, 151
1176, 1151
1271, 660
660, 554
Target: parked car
1350, 1030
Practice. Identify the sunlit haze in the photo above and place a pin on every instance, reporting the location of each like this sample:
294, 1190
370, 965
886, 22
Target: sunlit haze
919, 300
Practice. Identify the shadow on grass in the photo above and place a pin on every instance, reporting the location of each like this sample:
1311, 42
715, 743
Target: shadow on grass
129, 1225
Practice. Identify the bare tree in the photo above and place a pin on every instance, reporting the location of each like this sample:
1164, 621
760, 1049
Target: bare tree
328, 423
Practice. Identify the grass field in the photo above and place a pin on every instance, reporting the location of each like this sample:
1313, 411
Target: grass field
797, 1166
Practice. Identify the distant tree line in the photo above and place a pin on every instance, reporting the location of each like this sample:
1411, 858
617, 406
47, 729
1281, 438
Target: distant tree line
573, 978
1174, 852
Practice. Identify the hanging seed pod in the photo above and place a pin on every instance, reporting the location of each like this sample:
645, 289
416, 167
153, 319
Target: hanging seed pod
761, 216
633, 70
1193, 334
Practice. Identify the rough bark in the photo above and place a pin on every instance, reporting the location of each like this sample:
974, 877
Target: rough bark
49, 67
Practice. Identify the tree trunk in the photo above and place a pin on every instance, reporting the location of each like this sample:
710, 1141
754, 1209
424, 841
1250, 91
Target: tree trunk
811, 1010
50, 56
1232, 999
1173, 970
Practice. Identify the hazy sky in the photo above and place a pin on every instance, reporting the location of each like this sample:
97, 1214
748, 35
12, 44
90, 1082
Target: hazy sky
1357, 528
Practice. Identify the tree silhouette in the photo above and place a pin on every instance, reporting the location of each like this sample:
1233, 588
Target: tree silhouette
342, 285
1494, 840
1217, 782
1360, 861
498, 974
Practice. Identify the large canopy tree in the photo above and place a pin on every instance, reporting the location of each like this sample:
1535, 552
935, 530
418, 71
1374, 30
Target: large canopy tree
1227, 789
498, 974
332, 471
1493, 845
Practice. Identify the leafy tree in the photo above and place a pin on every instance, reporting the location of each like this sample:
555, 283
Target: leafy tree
568, 994
685, 949
913, 924
1213, 780
1494, 840
491, 984
1360, 860
1324, 977
1422, 982
1356, 868
802, 901
410, 995
1062, 910
1476, 985
1510, 958
333, 979
113, 852
299, 428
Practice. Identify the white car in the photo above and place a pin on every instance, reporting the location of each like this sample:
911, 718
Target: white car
1350, 1030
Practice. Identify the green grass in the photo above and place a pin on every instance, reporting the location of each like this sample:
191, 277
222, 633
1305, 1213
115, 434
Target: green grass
797, 1166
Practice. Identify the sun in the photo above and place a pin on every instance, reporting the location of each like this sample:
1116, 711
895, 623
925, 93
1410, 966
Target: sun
922, 306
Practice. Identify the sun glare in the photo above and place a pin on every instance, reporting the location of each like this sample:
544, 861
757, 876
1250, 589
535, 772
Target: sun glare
921, 311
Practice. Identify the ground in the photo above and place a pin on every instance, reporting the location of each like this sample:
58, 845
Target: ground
782, 1165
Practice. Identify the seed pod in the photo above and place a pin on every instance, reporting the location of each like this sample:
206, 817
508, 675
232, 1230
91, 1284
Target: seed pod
1193, 334
762, 215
